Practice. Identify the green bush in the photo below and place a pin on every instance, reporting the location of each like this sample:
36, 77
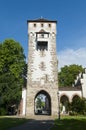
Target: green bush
3, 111
78, 106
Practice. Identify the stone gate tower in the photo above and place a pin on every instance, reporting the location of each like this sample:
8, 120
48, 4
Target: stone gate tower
42, 65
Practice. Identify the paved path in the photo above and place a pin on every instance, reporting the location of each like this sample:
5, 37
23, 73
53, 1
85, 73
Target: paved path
39, 123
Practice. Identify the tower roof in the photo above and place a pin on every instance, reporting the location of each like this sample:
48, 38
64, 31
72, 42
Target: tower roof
43, 31
42, 20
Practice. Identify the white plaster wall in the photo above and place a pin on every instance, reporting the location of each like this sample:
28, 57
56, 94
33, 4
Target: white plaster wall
24, 101
38, 27
83, 82
70, 94
37, 73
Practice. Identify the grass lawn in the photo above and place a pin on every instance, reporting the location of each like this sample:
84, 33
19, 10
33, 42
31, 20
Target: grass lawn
70, 123
8, 122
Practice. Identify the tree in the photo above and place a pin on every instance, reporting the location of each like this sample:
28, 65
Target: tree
12, 71
38, 103
68, 74
78, 105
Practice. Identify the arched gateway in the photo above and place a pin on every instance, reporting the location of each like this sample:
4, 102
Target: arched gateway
42, 67
42, 103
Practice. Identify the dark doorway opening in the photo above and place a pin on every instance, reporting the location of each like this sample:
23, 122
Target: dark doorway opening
64, 101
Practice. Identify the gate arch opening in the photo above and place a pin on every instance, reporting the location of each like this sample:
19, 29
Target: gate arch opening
64, 102
75, 97
42, 103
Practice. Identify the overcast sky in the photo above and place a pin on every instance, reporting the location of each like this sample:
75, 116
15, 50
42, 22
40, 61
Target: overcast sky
71, 26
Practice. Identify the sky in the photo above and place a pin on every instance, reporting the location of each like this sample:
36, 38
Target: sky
71, 25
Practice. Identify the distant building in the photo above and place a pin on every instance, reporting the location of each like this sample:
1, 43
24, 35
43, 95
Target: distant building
78, 90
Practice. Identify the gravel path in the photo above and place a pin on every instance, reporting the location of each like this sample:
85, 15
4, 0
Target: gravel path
38, 123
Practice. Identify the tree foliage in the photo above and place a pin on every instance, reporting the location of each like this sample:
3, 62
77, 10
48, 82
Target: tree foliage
12, 71
78, 105
38, 103
68, 74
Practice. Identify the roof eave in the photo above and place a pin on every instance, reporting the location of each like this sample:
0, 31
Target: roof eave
42, 20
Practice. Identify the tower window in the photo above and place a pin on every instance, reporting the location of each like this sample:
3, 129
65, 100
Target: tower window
42, 25
42, 35
49, 25
34, 25
42, 45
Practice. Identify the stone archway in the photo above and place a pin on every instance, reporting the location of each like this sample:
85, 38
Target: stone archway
64, 100
42, 103
75, 97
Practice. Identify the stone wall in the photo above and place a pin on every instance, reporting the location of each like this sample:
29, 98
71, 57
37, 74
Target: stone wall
42, 66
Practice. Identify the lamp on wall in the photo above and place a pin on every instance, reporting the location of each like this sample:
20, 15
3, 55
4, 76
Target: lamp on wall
58, 105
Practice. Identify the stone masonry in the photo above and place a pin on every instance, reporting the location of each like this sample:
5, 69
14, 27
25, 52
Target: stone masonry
42, 64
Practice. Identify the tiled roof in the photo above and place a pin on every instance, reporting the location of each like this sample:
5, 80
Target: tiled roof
42, 20
70, 88
42, 31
